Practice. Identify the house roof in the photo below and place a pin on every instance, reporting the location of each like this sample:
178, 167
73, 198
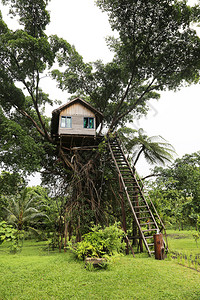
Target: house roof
56, 112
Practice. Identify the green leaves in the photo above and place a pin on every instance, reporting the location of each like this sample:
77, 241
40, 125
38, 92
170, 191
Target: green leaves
32, 15
156, 49
156, 39
9, 234
23, 55
155, 149
178, 191
24, 208
18, 148
100, 242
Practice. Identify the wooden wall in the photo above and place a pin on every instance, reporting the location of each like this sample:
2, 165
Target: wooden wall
77, 112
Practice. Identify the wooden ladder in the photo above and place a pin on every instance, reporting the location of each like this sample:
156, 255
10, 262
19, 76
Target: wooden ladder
139, 202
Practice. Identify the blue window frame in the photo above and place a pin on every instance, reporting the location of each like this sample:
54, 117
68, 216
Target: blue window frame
88, 123
66, 122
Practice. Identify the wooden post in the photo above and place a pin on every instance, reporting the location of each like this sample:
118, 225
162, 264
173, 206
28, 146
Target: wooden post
123, 213
159, 246
136, 229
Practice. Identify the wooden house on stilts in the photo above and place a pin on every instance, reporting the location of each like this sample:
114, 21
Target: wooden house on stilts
74, 126
75, 123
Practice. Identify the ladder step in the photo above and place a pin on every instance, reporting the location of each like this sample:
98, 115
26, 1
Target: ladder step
127, 176
149, 223
134, 193
139, 200
126, 173
143, 211
142, 206
155, 229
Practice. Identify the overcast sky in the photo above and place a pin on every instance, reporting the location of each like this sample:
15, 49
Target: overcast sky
175, 116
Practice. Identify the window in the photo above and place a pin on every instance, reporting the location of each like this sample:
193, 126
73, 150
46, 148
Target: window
66, 122
88, 123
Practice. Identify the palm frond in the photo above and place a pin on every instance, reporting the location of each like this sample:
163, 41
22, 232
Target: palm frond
155, 148
24, 208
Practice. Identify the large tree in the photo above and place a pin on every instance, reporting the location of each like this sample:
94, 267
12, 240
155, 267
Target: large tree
176, 190
26, 55
156, 49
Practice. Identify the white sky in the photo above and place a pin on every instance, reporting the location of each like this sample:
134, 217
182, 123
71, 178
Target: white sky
175, 116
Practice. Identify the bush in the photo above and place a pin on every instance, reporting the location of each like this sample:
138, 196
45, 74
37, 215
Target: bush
100, 242
9, 234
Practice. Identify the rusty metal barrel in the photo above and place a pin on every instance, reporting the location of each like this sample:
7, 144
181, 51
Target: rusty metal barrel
159, 246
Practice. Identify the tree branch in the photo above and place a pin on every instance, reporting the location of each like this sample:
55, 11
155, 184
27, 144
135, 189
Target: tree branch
148, 89
32, 120
35, 102
151, 175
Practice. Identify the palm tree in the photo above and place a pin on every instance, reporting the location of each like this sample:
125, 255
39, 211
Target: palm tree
22, 208
155, 148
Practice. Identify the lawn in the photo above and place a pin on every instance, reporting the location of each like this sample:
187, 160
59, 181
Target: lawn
38, 274
183, 242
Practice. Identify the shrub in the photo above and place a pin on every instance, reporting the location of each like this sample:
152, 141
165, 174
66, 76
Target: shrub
100, 242
9, 234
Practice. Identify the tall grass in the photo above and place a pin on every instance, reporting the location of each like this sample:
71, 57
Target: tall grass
183, 247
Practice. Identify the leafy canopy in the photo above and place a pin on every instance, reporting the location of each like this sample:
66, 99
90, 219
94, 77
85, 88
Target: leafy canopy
26, 55
177, 188
156, 48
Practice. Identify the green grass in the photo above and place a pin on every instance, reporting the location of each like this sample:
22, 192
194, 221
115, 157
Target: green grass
183, 241
38, 274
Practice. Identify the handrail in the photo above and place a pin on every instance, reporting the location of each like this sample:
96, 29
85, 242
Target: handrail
134, 176
146, 193
136, 173
130, 203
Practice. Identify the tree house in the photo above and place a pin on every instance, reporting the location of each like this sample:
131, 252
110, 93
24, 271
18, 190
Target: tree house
73, 127
75, 123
